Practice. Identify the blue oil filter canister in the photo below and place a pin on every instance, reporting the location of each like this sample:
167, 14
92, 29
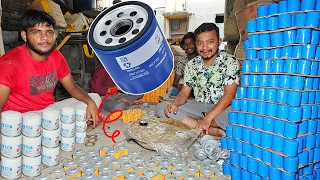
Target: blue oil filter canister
128, 41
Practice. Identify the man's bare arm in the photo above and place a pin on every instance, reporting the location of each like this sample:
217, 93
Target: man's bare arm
182, 96
4, 94
176, 80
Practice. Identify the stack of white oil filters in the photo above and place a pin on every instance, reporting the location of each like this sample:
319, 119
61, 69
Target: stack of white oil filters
68, 127
81, 125
28, 140
11, 160
50, 137
31, 144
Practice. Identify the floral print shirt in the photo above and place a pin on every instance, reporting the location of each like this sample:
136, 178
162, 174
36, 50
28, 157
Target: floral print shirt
208, 83
181, 62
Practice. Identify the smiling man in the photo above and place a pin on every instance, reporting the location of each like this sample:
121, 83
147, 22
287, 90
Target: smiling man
188, 44
30, 73
213, 75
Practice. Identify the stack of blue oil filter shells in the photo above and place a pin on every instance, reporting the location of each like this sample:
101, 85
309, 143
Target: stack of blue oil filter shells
274, 130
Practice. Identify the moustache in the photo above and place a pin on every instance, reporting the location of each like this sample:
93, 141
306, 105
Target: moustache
208, 51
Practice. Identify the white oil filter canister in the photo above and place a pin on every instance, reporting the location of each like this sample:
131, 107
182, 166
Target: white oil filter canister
60, 124
50, 156
31, 166
68, 130
81, 137
81, 114
11, 123
31, 147
50, 138
11, 167
67, 144
50, 119
11, 146
31, 125
81, 126
67, 115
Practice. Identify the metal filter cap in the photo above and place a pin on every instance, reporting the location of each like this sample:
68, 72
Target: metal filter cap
73, 171
140, 167
107, 157
165, 162
180, 164
164, 170
138, 159
194, 162
150, 173
105, 175
105, 168
156, 156
200, 155
207, 171
192, 169
178, 171
58, 170
125, 158
127, 165
131, 175
89, 176
211, 163
88, 169
118, 172
152, 163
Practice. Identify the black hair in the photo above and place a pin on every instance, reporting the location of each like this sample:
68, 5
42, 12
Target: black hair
34, 17
116, 2
204, 27
187, 36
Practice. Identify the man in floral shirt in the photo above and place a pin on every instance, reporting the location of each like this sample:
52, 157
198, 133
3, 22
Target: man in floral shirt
213, 76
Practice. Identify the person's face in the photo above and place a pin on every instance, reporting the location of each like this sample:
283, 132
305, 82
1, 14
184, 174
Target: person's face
41, 39
189, 46
207, 44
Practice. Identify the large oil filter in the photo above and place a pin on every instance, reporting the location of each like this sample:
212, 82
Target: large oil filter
131, 46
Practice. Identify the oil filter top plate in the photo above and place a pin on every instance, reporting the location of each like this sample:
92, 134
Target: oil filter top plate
120, 25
